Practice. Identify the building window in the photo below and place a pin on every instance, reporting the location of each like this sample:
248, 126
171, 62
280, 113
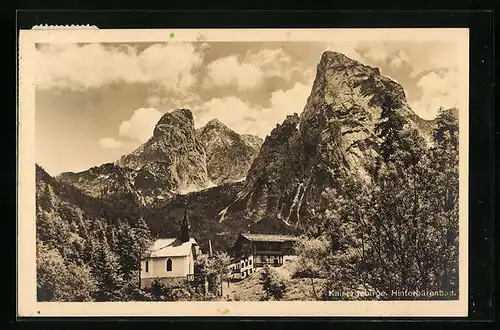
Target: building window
169, 265
242, 265
250, 261
147, 266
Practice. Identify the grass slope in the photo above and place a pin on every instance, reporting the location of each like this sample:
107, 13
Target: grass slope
250, 289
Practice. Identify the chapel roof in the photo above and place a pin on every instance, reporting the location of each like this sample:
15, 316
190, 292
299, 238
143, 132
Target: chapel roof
171, 247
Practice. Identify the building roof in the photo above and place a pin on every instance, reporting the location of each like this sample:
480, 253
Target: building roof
269, 238
171, 247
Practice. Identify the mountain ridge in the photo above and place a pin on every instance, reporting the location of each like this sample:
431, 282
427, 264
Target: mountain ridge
334, 135
273, 185
229, 155
174, 160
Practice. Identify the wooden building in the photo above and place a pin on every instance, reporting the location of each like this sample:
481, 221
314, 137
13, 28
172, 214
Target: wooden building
241, 268
265, 248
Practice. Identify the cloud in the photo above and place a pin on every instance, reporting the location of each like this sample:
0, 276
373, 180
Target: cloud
432, 76
283, 103
399, 58
140, 126
383, 54
377, 54
274, 63
399, 54
153, 100
204, 47
440, 88
246, 118
230, 71
231, 110
110, 143
170, 64
249, 71
348, 48
436, 56
171, 101
80, 67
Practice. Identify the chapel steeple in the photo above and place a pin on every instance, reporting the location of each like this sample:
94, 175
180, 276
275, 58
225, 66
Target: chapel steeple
185, 226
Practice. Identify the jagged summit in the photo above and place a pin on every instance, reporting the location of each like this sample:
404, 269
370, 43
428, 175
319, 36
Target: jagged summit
331, 59
215, 123
179, 118
334, 57
229, 154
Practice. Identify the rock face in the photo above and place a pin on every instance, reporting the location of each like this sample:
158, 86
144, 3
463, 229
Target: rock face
229, 155
107, 181
172, 161
173, 154
274, 176
253, 141
334, 134
177, 159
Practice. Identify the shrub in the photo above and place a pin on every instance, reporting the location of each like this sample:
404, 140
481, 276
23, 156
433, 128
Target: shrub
159, 291
273, 284
58, 280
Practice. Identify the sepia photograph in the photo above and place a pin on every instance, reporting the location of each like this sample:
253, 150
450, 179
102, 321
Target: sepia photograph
277, 168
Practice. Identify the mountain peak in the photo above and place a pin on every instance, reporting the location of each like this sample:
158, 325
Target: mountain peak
176, 118
216, 123
334, 56
229, 154
330, 59
177, 113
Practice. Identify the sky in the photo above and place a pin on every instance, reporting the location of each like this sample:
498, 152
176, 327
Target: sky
95, 102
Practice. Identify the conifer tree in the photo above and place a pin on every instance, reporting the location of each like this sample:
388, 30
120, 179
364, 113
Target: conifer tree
106, 270
446, 197
389, 127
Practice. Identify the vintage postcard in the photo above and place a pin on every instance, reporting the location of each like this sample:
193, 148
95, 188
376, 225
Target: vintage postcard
246, 172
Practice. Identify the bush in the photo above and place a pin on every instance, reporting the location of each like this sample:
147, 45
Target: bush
215, 269
273, 284
159, 291
58, 280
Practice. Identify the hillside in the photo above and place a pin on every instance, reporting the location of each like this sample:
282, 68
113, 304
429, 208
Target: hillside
251, 289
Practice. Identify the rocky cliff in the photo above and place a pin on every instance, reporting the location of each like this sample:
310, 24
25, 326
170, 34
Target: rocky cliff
229, 155
107, 181
173, 155
177, 159
335, 134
